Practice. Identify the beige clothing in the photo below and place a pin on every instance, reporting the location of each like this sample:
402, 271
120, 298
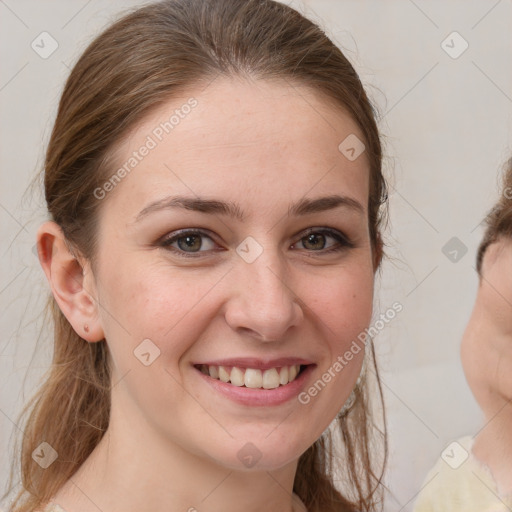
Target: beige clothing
53, 507
459, 482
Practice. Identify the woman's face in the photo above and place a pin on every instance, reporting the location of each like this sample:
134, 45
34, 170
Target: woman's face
248, 269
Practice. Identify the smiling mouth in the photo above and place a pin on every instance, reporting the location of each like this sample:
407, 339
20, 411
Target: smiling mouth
271, 378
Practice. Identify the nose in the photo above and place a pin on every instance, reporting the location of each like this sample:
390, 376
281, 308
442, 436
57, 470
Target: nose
263, 302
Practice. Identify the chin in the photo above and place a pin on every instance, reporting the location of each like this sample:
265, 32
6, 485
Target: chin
263, 455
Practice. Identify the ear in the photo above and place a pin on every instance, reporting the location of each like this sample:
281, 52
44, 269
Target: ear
71, 282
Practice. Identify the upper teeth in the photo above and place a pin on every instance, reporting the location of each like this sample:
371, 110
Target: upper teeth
251, 377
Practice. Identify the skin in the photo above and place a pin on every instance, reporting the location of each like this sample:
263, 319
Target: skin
486, 353
172, 441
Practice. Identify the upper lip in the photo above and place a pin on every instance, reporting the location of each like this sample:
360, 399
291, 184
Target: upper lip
252, 362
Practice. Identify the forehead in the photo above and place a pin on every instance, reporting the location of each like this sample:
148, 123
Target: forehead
248, 141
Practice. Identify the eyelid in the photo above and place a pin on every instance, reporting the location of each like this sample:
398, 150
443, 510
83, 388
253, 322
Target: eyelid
335, 233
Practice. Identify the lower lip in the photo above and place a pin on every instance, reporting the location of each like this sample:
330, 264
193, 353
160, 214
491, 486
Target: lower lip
259, 397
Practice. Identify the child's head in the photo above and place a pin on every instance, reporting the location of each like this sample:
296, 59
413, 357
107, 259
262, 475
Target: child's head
486, 348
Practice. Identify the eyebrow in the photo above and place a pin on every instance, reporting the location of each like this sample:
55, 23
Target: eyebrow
232, 209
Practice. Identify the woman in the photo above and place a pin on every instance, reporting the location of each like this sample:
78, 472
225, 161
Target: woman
216, 198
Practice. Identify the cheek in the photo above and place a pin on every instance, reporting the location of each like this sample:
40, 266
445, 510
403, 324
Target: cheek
154, 317
168, 307
343, 307
345, 303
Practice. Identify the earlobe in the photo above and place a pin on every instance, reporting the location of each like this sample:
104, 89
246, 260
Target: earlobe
65, 275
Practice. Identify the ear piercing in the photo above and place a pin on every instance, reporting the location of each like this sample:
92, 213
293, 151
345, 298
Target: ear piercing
86, 328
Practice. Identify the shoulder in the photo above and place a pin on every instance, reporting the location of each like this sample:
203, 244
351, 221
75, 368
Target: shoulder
458, 482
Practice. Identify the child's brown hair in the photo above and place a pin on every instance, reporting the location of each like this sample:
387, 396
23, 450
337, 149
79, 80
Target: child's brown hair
498, 221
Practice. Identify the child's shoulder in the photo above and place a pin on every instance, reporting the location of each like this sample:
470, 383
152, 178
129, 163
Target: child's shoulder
459, 482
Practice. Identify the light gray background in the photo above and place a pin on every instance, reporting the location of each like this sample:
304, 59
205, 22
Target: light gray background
448, 126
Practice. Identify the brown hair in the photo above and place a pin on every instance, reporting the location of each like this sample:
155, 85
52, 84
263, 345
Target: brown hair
134, 66
498, 221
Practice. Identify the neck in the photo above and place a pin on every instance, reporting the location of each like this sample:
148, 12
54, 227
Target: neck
487, 360
493, 444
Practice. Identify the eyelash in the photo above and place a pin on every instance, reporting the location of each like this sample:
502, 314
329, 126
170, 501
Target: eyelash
343, 241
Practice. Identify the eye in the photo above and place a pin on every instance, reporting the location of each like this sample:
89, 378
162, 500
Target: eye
315, 240
187, 243
190, 243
